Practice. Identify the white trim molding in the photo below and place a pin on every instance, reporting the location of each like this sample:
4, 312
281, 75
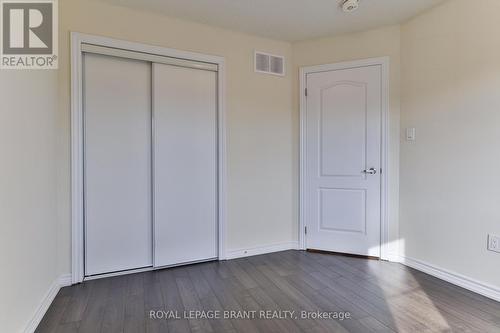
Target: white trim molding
65, 280
48, 298
457, 279
384, 195
393, 257
77, 155
253, 251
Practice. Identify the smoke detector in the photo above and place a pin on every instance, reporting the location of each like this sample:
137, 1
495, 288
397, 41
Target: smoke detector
350, 5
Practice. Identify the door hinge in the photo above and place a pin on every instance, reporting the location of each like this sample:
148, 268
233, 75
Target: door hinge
305, 91
380, 170
305, 230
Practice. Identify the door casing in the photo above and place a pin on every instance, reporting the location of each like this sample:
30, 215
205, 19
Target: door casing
384, 197
77, 139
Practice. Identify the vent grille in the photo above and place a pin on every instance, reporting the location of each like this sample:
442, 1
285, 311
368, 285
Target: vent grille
269, 64
262, 62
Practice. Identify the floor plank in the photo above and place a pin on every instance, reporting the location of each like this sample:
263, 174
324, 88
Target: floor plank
379, 297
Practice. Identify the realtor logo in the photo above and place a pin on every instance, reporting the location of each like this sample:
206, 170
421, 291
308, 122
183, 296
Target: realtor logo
29, 34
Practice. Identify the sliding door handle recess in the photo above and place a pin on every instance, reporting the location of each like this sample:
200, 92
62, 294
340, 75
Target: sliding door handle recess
371, 171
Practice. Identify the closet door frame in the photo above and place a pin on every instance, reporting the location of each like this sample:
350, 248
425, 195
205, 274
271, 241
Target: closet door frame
80, 41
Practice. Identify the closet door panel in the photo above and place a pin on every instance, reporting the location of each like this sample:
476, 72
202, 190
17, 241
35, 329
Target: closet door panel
185, 164
118, 200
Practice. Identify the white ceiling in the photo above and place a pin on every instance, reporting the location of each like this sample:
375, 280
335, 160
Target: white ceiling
290, 20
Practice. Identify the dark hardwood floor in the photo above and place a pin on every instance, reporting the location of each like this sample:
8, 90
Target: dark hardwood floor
379, 296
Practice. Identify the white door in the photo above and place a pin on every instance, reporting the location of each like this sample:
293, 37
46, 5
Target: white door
185, 165
343, 153
117, 170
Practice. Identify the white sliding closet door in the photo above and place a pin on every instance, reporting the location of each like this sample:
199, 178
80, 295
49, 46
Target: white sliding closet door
118, 206
185, 164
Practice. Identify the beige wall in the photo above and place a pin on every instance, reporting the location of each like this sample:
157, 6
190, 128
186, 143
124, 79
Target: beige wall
450, 185
445, 62
374, 43
28, 219
258, 108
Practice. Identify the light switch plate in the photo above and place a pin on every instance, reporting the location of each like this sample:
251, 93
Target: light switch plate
494, 243
410, 134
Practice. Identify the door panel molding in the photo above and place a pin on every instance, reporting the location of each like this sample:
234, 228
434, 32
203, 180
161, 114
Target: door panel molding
323, 192
322, 116
383, 62
77, 136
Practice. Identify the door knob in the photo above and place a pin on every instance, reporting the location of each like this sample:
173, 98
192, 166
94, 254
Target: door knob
371, 171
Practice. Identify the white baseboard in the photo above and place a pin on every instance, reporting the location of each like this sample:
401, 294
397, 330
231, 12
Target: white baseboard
240, 253
62, 281
392, 257
460, 280
65, 280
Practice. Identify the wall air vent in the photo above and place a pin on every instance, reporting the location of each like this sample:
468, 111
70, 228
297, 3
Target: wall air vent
269, 64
